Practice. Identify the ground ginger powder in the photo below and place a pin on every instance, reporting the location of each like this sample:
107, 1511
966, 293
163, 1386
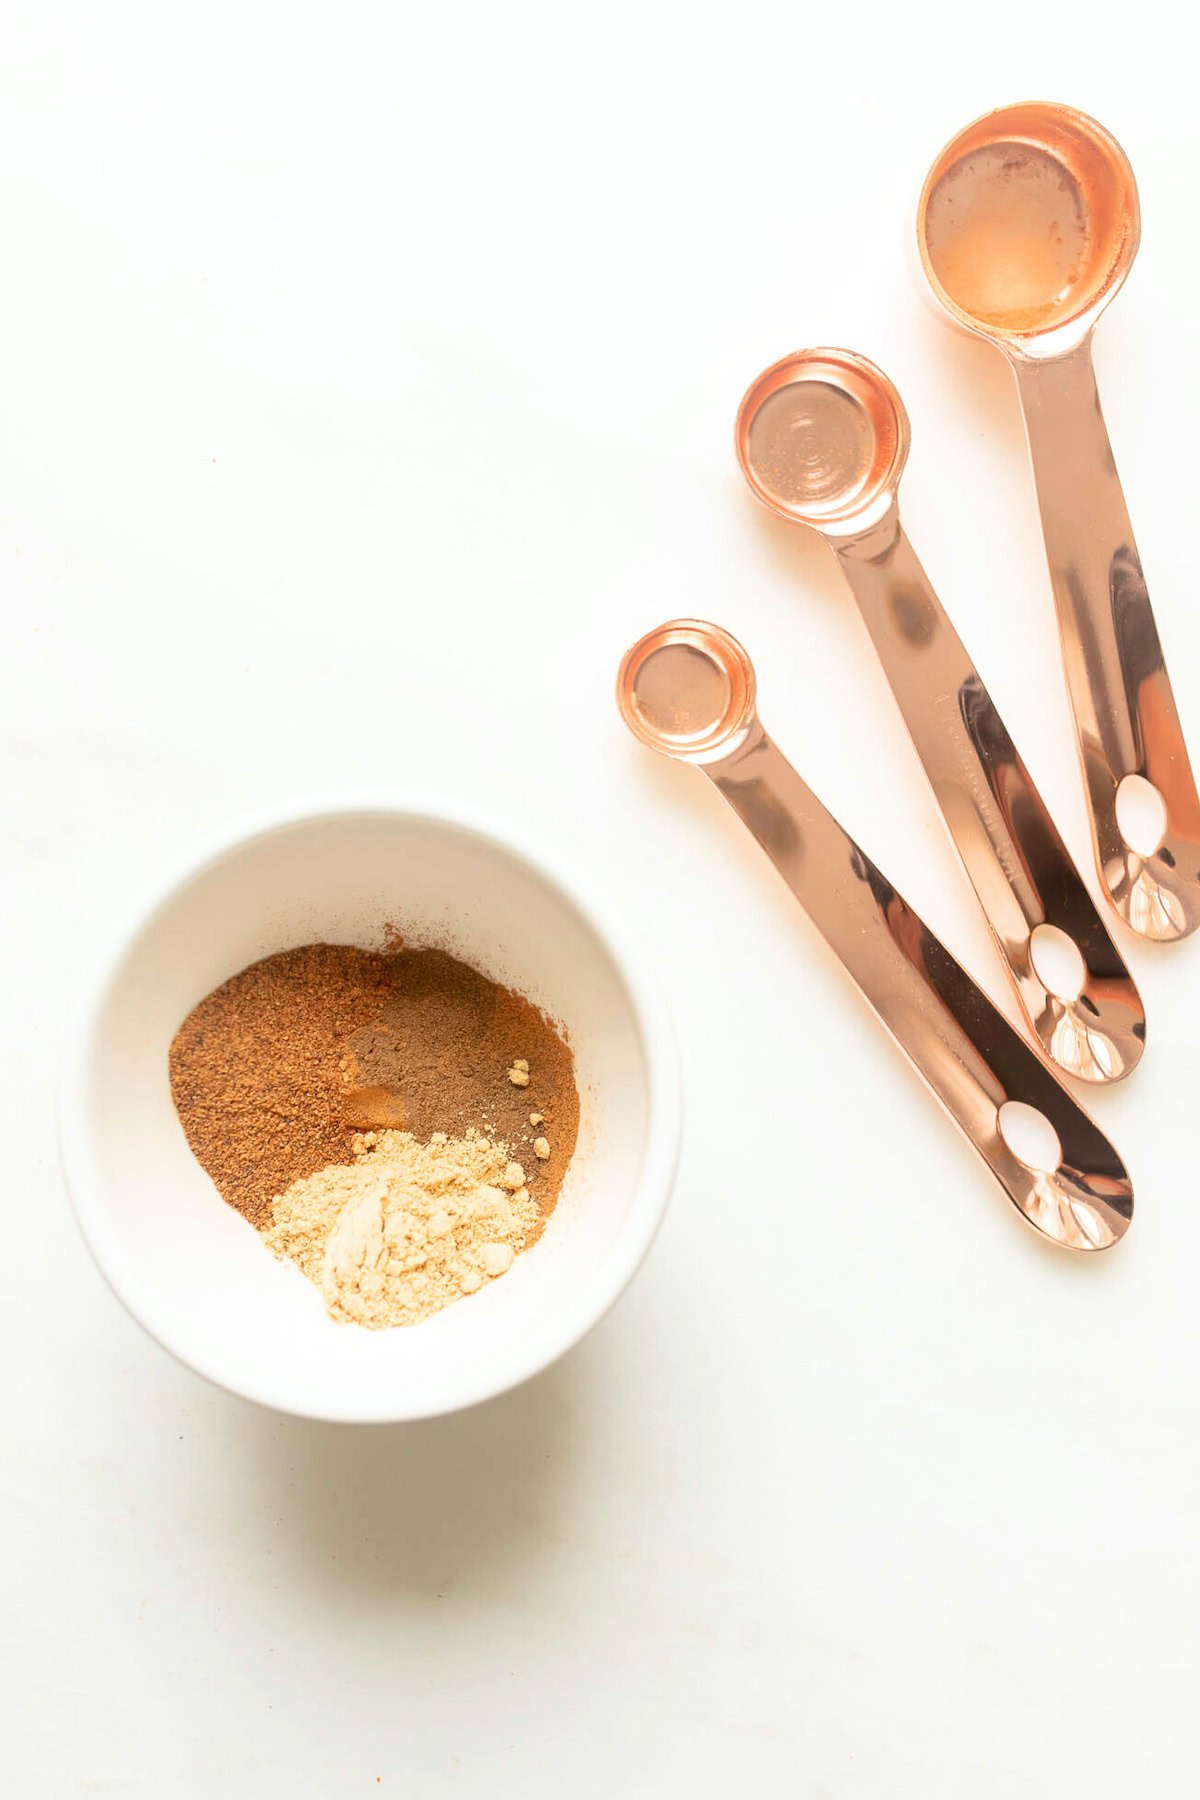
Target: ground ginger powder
406, 1228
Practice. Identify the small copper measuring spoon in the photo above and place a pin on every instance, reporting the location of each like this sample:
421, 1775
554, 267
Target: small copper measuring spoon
1027, 225
688, 690
822, 438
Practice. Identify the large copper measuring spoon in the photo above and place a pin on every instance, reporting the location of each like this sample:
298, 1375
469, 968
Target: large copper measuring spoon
688, 690
822, 438
1027, 225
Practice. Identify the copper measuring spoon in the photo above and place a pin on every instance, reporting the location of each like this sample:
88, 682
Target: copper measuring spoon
1027, 225
688, 690
822, 438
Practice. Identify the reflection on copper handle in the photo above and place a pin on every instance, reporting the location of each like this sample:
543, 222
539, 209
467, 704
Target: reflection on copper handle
1125, 715
1009, 844
964, 1048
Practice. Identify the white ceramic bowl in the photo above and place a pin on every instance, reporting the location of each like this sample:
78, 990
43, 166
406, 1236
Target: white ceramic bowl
198, 1277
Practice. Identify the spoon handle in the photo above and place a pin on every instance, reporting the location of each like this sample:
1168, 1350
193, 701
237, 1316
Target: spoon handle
999, 823
1125, 717
966, 1051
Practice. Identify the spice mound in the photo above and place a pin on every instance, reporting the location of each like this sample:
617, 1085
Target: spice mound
407, 1227
360, 1109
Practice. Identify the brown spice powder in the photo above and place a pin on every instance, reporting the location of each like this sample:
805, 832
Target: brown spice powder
276, 1070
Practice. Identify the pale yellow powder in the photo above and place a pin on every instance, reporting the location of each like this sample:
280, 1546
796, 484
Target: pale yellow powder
407, 1228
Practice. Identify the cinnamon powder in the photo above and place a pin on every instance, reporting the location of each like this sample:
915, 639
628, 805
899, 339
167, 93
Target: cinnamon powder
276, 1071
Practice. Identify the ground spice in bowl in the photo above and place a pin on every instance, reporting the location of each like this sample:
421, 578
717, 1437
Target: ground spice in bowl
419, 1116
407, 1227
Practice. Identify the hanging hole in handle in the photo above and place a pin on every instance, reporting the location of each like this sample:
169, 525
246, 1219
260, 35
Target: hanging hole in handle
1030, 1136
1141, 815
1057, 962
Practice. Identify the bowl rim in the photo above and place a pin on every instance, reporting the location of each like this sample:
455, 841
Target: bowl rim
570, 1322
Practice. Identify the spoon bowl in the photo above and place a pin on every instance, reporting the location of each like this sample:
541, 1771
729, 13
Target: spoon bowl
822, 438
1028, 223
687, 690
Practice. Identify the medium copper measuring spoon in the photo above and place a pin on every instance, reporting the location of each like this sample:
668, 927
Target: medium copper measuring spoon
688, 690
822, 438
1027, 225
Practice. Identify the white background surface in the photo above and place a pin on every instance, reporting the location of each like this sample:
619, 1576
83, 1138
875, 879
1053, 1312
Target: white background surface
367, 384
